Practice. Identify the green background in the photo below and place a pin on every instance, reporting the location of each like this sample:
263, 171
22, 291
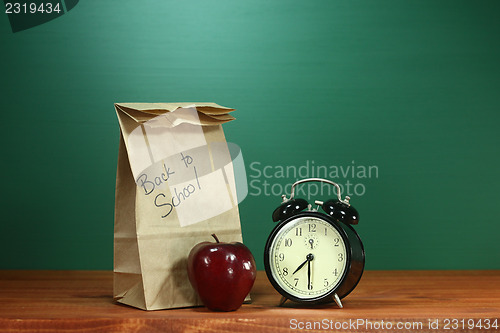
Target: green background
411, 87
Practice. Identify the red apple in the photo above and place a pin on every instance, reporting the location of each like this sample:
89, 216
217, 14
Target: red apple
221, 273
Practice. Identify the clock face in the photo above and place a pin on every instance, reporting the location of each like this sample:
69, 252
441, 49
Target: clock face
308, 258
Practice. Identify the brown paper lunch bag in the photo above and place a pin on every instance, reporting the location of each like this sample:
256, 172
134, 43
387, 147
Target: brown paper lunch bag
172, 192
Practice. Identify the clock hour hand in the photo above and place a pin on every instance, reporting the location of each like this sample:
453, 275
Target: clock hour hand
300, 266
309, 257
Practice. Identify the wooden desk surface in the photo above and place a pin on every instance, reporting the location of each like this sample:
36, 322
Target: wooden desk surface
68, 300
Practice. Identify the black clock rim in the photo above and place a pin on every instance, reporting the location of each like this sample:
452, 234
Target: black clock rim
360, 262
322, 298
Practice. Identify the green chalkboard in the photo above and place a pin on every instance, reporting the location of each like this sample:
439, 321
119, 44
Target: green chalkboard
398, 101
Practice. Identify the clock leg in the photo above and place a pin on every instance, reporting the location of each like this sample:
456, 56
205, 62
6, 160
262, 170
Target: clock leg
337, 300
283, 300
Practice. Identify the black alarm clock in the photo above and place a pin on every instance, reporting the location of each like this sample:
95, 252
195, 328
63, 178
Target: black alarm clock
314, 256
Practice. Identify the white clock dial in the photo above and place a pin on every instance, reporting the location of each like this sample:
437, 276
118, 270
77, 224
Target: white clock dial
308, 257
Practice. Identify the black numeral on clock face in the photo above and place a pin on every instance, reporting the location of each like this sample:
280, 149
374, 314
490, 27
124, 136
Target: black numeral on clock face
298, 231
288, 242
285, 271
312, 227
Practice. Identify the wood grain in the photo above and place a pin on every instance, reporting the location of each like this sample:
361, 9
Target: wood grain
32, 301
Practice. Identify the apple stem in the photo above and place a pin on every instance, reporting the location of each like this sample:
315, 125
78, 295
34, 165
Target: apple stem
215, 237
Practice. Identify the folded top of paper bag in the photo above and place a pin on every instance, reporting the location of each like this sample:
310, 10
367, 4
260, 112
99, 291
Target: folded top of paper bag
208, 113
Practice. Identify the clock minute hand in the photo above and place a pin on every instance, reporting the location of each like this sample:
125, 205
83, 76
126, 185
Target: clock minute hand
309, 275
310, 258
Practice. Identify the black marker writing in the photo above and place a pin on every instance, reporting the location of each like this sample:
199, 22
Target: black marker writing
186, 159
179, 196
148, 186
